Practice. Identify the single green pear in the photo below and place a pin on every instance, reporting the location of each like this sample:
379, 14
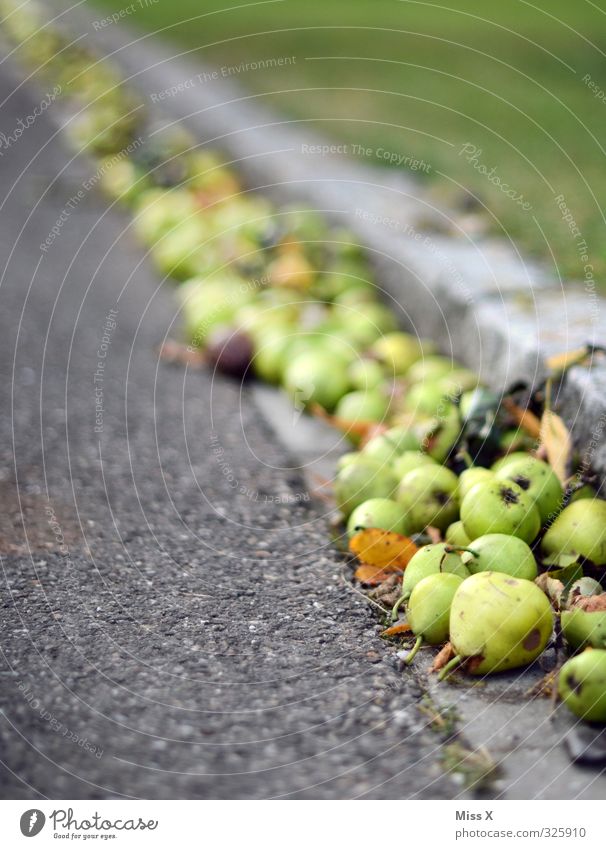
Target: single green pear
582, 685
455, 535
498, 621
582, 628
428, 610
579, 529
539, 481
501, 553
377, 513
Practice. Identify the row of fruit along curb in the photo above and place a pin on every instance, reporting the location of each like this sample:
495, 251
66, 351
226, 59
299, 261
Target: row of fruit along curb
510, 314
316, 289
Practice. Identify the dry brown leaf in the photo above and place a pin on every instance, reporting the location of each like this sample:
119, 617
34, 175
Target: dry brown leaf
524, 418
552, 587
556, 439
443, 656
591, 603
399, 628
371, 575
434, 534
384, 549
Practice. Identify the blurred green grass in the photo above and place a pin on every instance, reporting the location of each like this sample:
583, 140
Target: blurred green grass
423, 79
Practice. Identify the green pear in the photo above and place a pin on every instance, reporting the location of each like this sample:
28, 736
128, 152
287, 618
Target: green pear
312, 377
500, 507
455, 535
429, 496
498, 621
538, 480
428, 611
582, 685
470, 477
360, 481
431, 560
579, 529
410, 460
501, 553
396, 352
377, 513
582, 628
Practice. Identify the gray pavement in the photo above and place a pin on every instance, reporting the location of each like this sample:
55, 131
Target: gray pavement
162, 634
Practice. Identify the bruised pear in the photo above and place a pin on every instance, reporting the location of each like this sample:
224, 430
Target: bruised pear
429, 496
582, 685
428, 610
539, 481
471, 476
579, 529
500, 507
498, 622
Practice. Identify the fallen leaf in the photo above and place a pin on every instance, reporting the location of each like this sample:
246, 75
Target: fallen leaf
371, 575
556, 439
559, 363
434, 534
443, 656
590, 603
524, 418
398, 628
384, 549
552, 587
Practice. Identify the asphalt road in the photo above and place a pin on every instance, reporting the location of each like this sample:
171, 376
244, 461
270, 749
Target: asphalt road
173, 623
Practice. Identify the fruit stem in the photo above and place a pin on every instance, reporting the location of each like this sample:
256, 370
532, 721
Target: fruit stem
414, 651
453, 549
449, 667
396, 607
466, 457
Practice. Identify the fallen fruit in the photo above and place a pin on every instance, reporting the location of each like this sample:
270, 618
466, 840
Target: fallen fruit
498, 622
428, 611
377, 513
397, 352
470, 477
429, 497
501, 553
539, 481
230, 351
362, 480
455, 535
579, 529
582, 685
429, 560
369, 405
500, 507
313, 377
410, 460
582, 628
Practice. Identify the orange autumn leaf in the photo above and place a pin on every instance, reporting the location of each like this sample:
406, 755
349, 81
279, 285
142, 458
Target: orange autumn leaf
383, 549
524, 418
371, 575
555, 438
358, 428
442, 658
395, 630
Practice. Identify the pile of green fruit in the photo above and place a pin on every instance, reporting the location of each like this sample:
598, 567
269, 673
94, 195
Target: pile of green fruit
279, 294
